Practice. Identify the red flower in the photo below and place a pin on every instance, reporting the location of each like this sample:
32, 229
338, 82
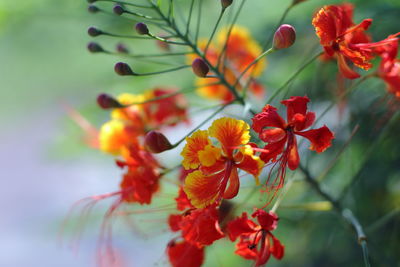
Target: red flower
389, 68
199, 227
256, 242
184, 254
281, 135
339, 36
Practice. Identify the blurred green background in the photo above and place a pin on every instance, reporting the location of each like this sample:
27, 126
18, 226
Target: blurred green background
45, 166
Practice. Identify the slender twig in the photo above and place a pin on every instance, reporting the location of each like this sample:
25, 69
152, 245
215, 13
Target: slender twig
277, 91
125, 3
345, 213
214, 30
189, 18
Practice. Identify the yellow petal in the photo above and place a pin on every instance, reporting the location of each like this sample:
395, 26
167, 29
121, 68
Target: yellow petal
195, 143
209, 155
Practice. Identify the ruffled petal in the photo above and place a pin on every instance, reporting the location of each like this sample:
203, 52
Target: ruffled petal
201, 226
267, 220
269, 117
209, 155
277, 249
296, 104
182, 201
320, 138
174, 221
195, 143
272, 135
231, 133
273, 150
203, 190
239, 226
184, 254
249, 162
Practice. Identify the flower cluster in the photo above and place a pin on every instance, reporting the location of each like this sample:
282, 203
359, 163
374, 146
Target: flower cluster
349, 42
215, 161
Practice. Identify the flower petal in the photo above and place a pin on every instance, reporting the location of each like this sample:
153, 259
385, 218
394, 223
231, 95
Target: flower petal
231, 133
249, 162
233, 188
269, 117
293, 156
184, 254
267, 220
209, 155
320, 138
203, 190
195, 143
201, 226
239, 226
296, 104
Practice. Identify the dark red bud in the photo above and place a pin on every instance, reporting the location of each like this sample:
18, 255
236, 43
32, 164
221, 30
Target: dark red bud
284, 37
93, 31
121, 48
141, 28
226, 3
106, 101
118, 10
156, 142
93, 9
91, 1
123, 69
200, 68
94, 47
295, 2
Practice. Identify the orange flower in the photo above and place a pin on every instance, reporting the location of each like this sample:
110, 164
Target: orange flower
217, 166
241, 50
338, 35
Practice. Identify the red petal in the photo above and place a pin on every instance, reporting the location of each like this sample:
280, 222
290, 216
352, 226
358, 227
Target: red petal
320, 138
296, 104
201, 226
272, 135
345, 69
273, 150
268, 118
239, 226
293, 156
267, 220
174, 221
277, 249
182, 201
184, 254
233, 187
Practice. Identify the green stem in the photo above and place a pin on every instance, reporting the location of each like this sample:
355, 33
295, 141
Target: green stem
214, 30
277, 91
346, 214
271, 35
162, 71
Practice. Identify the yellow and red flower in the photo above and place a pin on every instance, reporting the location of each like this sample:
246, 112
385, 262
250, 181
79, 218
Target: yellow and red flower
256, 242
215, 174
241, 50
280, 135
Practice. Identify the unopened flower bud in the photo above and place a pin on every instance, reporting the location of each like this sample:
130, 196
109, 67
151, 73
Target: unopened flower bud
94, 47
91, 1
156, 142
295, 2
123, 69
200, 68
141, 28
226, 3
284, 37
106, 101
121, 48
118, 10
93, 31
93, 9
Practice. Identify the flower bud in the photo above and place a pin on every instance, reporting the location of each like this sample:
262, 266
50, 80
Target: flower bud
141, 28
123, 69
93, 31
118, 10
156, 142
226, 3
93, 9
200, 68
121, 48
91, 1
106, 101
94, 47
284, 37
